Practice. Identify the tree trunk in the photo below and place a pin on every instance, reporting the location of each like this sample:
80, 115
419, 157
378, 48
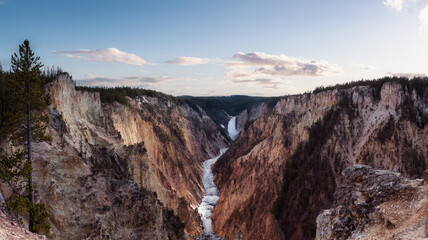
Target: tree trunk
30, 179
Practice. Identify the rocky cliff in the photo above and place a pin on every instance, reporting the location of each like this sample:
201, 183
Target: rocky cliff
123, 171
376, 204
284, 168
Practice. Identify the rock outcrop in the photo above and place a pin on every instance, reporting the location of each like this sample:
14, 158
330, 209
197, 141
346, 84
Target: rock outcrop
251, 114
376, 204
284, 168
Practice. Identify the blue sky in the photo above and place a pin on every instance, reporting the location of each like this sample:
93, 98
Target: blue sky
221, 47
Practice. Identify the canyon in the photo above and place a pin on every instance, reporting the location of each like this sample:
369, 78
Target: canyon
143, 169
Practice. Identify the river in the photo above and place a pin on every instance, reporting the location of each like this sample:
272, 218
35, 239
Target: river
212, 194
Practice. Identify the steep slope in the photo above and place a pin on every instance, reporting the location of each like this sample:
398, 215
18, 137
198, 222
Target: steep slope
11, 231
383, 205
283, 169
123, 171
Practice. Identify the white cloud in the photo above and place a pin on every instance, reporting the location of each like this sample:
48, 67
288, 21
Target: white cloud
394, 4
363, 67
398, 4
186, 61
423, 18
270, 70
407, 75
130, 81
108, 55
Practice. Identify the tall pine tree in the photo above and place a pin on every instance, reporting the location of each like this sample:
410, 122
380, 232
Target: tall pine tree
23, 124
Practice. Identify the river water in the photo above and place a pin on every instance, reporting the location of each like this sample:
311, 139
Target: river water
211, 197
212, 194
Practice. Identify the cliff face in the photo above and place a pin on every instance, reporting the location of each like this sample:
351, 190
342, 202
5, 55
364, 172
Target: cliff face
177, 140
123, 172
249, 115
284, 168
376, 204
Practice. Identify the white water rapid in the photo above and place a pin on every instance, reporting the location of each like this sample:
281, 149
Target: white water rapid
212, 194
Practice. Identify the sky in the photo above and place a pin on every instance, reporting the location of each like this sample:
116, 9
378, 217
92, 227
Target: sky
220, 47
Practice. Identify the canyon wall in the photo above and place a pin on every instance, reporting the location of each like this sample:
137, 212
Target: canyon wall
284, 168
120, 171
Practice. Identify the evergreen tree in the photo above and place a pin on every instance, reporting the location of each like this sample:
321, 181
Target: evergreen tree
23, 124
2, 97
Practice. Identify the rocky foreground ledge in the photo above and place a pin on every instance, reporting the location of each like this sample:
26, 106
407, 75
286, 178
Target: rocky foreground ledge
11, 231
376, 204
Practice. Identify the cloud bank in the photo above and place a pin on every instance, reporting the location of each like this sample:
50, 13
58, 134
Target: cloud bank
398, 5
108, 55
187, 61
423, 18
270, 70
130, 81
366, 68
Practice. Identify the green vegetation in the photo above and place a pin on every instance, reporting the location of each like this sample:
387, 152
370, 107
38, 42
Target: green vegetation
232, 105
418, 84
50, 74
22, 123
119, 94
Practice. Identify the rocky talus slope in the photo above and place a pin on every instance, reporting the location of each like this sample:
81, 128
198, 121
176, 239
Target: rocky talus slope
10, 230
284, 168
116, 171
376, 204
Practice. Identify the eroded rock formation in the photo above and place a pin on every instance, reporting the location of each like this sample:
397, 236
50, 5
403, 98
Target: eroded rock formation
284, 168
376, 204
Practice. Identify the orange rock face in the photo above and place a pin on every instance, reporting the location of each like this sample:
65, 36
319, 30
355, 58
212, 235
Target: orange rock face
283, 169
99, 149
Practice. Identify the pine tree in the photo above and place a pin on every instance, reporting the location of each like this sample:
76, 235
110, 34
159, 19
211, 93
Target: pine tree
24, 123
2, 102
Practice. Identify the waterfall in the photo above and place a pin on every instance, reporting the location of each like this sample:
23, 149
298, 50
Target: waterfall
231, 128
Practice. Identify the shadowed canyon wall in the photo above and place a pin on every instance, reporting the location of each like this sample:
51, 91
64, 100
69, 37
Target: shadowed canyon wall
284, 168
